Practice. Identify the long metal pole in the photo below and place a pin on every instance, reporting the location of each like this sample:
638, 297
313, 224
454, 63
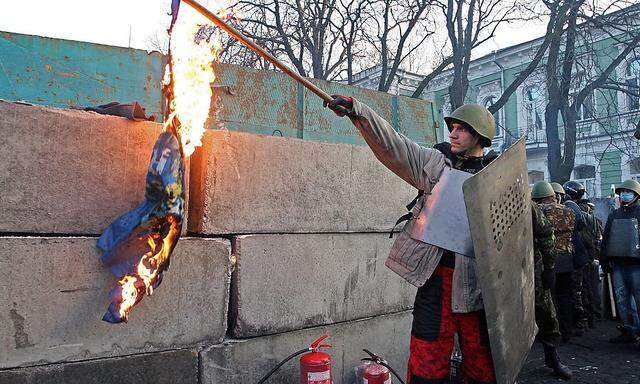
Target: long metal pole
257, 49
612, 299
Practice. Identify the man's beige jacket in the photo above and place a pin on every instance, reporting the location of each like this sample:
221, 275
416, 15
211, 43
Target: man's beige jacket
421, 167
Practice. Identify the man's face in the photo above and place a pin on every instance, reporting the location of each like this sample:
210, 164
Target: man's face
462, 139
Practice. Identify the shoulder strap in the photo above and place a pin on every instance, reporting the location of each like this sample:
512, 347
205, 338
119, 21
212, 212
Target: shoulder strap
409, 215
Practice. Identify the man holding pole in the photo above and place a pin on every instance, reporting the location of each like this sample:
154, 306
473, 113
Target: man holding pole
448, 300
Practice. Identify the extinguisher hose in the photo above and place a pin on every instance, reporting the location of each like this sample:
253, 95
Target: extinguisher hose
379, 361
392, 371
280, 364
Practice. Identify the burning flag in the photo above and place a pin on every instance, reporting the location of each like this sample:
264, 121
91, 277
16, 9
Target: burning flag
137, 246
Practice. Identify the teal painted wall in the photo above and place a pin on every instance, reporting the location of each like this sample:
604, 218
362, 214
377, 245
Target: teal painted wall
66, 74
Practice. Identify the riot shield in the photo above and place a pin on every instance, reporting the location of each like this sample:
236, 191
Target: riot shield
499, 211
443, 220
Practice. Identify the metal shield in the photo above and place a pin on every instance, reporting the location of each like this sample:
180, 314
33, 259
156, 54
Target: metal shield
442, 221
499, 211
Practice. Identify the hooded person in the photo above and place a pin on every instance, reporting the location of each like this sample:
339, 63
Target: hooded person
448, 300
621, 256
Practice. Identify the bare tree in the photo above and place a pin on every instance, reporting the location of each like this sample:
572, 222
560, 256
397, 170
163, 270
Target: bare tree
308, 35
573, 75
469, 24
395, 30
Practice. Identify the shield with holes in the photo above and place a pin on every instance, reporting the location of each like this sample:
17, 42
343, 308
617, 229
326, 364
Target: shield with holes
498, 207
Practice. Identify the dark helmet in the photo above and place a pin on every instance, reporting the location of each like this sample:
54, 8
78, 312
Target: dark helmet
574, 189
542, 189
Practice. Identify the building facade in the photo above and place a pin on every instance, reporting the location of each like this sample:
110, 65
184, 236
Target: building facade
606, 152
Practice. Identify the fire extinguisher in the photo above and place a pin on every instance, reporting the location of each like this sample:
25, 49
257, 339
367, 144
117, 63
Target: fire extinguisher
375, 370
315, 366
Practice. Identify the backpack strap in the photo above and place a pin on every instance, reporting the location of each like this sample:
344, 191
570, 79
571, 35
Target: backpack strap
409, 215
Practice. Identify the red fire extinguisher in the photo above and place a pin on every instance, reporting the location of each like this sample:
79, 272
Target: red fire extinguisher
375, 370
315, 366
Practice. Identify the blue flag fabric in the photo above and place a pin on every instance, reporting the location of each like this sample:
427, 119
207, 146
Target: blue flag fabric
157, 220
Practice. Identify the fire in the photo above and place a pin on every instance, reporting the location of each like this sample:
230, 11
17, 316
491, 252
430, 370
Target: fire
187, 84
148, 271
195, 46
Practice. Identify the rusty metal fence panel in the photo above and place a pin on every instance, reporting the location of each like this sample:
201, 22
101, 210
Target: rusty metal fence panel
65, 73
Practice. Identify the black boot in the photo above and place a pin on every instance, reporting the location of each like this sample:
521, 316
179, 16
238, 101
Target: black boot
552, 361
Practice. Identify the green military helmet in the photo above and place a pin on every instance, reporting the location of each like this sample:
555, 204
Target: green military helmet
631, 185
477, 117
542, 189
558, 188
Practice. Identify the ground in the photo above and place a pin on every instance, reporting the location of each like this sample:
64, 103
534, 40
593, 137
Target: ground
591, 357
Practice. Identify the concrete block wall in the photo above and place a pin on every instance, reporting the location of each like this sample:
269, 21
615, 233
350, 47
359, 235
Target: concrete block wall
305, 224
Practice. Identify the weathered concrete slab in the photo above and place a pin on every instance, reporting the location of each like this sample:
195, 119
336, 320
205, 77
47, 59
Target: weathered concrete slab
68, 171
54, 292
244, 183
153, 368
246, 361
287, 282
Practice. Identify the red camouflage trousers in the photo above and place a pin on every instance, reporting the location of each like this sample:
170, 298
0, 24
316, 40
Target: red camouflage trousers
432, 336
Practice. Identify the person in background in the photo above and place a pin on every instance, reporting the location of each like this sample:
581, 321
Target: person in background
621, 256
575, 192
544, 246
557, 188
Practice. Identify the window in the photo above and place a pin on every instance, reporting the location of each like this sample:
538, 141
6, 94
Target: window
586, 109
488, 102
632, 76
634, 169
586, 174
534, 105
535, 176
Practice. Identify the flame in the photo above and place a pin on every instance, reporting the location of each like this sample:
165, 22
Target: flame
195, 46
135, 286
187, 81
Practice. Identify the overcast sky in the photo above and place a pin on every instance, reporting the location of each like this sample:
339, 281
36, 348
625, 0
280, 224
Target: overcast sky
132, 22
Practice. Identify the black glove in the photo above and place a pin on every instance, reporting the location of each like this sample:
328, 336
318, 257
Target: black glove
606, 267
341, 105
548, 278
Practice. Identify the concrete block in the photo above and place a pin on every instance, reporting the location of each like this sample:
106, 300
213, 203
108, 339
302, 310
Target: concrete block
153, 368
54, 292
287, 282
69, 171
246, 361
244, 183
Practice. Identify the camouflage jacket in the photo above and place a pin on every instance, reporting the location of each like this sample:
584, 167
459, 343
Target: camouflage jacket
543, 238
563, 221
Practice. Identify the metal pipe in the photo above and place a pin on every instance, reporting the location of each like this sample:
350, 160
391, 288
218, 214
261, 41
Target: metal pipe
257, 49
611, 296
